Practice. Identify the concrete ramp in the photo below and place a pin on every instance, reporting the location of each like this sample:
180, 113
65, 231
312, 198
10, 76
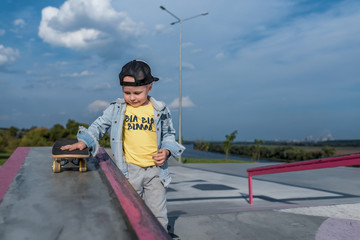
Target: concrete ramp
36, 203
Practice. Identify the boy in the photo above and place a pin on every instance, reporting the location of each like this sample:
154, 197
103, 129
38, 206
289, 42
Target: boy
142, 137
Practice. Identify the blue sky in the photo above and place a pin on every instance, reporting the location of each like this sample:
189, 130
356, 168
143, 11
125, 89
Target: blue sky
274, 70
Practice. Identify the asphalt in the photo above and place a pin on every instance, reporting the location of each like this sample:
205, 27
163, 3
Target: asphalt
42, 205
205, 201
210, 201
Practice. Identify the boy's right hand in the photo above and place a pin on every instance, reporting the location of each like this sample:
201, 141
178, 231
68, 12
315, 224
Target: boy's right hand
76, 146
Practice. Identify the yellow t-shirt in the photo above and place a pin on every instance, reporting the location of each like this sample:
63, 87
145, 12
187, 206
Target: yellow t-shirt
139, 135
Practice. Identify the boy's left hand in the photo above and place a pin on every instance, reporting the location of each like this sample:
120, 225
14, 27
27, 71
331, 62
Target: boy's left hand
161, 156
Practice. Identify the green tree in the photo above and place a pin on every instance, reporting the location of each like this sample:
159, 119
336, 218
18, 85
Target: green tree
228, 143
73, 127
328, 151
3, 142
36, 137
202, 146
206, 146
58, 131
256, 154
182, 140
13, 131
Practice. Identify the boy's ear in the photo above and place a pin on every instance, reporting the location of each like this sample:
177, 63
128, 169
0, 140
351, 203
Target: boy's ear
150, 87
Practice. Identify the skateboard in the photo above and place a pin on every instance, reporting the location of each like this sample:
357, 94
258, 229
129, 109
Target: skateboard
61, 158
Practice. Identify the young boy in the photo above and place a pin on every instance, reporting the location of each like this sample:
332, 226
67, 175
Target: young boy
142, 137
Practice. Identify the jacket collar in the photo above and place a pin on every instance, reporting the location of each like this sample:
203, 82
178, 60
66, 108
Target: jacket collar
158, 105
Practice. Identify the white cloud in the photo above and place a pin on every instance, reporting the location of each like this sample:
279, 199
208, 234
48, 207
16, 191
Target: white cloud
186, 102
98, 106
82, 74
198, 50
188, 65
220, 55
7, 55
187, 44
82, 24
143, 46
306, 48
19, 22
304, 38
166, 79
159, 27
102, 86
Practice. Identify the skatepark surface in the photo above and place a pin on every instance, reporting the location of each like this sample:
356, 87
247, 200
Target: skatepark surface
210, 201
205, 201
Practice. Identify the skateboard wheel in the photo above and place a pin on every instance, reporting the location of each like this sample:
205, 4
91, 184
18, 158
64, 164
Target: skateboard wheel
82, 165
56, 167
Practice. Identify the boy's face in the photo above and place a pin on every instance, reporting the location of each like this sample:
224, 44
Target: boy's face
136, 96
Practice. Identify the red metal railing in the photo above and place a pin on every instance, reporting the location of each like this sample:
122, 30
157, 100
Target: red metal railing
347, 160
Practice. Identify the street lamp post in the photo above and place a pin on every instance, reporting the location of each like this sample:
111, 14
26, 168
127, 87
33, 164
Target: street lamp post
180, 21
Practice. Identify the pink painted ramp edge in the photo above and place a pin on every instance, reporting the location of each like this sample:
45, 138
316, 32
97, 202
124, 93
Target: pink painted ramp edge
140, 217
10, 168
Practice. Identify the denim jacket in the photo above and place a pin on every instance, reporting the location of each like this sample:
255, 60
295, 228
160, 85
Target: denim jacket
113, 119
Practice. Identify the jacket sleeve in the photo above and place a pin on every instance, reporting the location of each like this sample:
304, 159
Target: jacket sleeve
168, 135
96, 130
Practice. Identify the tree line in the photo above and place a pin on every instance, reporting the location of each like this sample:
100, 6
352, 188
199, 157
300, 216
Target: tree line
278, 153
11, 138
257, 150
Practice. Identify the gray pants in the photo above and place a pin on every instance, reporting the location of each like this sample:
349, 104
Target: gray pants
147, 184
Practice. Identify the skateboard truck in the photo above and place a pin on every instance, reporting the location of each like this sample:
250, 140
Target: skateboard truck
61, 158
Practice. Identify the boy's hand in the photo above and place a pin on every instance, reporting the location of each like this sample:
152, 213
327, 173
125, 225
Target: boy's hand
79, 145
161, 156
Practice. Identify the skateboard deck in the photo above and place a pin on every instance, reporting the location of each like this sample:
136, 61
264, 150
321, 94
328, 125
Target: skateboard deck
61, 158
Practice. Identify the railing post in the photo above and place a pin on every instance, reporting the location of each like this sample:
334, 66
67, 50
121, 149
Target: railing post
250, 189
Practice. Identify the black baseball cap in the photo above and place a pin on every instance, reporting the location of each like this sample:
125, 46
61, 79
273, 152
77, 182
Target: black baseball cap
139, 70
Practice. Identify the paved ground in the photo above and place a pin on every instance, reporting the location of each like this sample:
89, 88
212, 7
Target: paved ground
70, 205
210, 201
205, 201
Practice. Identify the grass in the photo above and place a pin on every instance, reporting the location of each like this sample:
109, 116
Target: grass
205, 160
4, 156
339, 150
